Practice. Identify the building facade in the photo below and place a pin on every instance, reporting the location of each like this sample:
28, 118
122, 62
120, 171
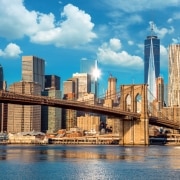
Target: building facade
33, 70
24, 118
52, 81
111, 91
88, 123
69, 119
174, 75
84, 83
3, 106
51, 119
160, 93
91, 67
151, 64
1, 77
70, 86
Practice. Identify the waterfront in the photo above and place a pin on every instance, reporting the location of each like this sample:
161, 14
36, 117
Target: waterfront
89, 162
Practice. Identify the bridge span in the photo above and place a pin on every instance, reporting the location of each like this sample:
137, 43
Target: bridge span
25, 99
134, 126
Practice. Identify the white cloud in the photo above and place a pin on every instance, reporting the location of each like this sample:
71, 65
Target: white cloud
175, 16
170, 20
16, 20
11, 51
110, 56
130, 43
73, 29
176, 40
161, 32
115, 44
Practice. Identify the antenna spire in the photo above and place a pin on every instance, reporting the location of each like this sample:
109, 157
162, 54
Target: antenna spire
152, 27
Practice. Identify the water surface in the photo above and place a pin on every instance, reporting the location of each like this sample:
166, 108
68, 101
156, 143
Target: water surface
76, 162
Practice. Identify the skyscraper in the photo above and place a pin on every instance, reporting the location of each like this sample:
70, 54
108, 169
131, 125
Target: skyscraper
160, 92
111, 91
151, 63
91, 67
174, 75
24, 118
87, 66
51, 118
84, 83
52, 81
1, 77
21, 117
3, 106
33, 69
70, 93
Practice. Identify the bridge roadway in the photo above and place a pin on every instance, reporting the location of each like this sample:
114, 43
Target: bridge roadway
25, 99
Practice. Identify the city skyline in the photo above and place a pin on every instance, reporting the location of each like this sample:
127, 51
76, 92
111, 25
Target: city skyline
63, 33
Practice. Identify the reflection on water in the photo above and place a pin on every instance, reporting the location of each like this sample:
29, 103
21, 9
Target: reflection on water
99, 162
53, 153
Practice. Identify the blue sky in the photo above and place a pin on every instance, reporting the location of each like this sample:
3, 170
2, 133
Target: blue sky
64, 32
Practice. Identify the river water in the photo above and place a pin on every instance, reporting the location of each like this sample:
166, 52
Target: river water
68, 162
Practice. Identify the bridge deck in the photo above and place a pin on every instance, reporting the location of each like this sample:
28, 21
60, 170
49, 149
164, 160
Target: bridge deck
15, 98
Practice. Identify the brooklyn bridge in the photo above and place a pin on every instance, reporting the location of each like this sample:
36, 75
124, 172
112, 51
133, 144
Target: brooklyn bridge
134, 123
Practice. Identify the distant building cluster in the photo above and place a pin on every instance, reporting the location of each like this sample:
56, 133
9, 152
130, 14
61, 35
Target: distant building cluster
83, 86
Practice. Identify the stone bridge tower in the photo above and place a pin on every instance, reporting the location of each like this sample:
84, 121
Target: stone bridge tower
134, 99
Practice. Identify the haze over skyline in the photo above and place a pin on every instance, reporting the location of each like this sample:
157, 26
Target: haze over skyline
64, 32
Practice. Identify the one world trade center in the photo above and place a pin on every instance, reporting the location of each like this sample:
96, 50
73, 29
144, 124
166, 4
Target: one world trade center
151, 64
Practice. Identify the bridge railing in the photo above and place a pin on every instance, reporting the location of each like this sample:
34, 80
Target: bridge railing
157, 117
27, 99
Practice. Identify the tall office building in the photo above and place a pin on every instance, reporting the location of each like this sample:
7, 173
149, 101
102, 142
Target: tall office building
174, 75
71, 87
91, 67
52, 81
111, 91
70, 93
3, 106
84, 83
33, 70
24, 118
1, 77
51, 119
87, 66
160, 92
151, 63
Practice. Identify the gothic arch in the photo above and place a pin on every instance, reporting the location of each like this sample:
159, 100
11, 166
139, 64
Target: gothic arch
128, 102
135, 92
138, 100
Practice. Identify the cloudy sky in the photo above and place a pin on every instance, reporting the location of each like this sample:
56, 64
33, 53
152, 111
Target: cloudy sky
63, 32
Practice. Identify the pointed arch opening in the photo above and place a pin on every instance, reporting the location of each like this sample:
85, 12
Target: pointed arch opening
128, 103
138, 101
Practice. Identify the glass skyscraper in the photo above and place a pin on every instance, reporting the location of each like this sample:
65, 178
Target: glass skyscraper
151, 64
51, 117
1, 77
88, 66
